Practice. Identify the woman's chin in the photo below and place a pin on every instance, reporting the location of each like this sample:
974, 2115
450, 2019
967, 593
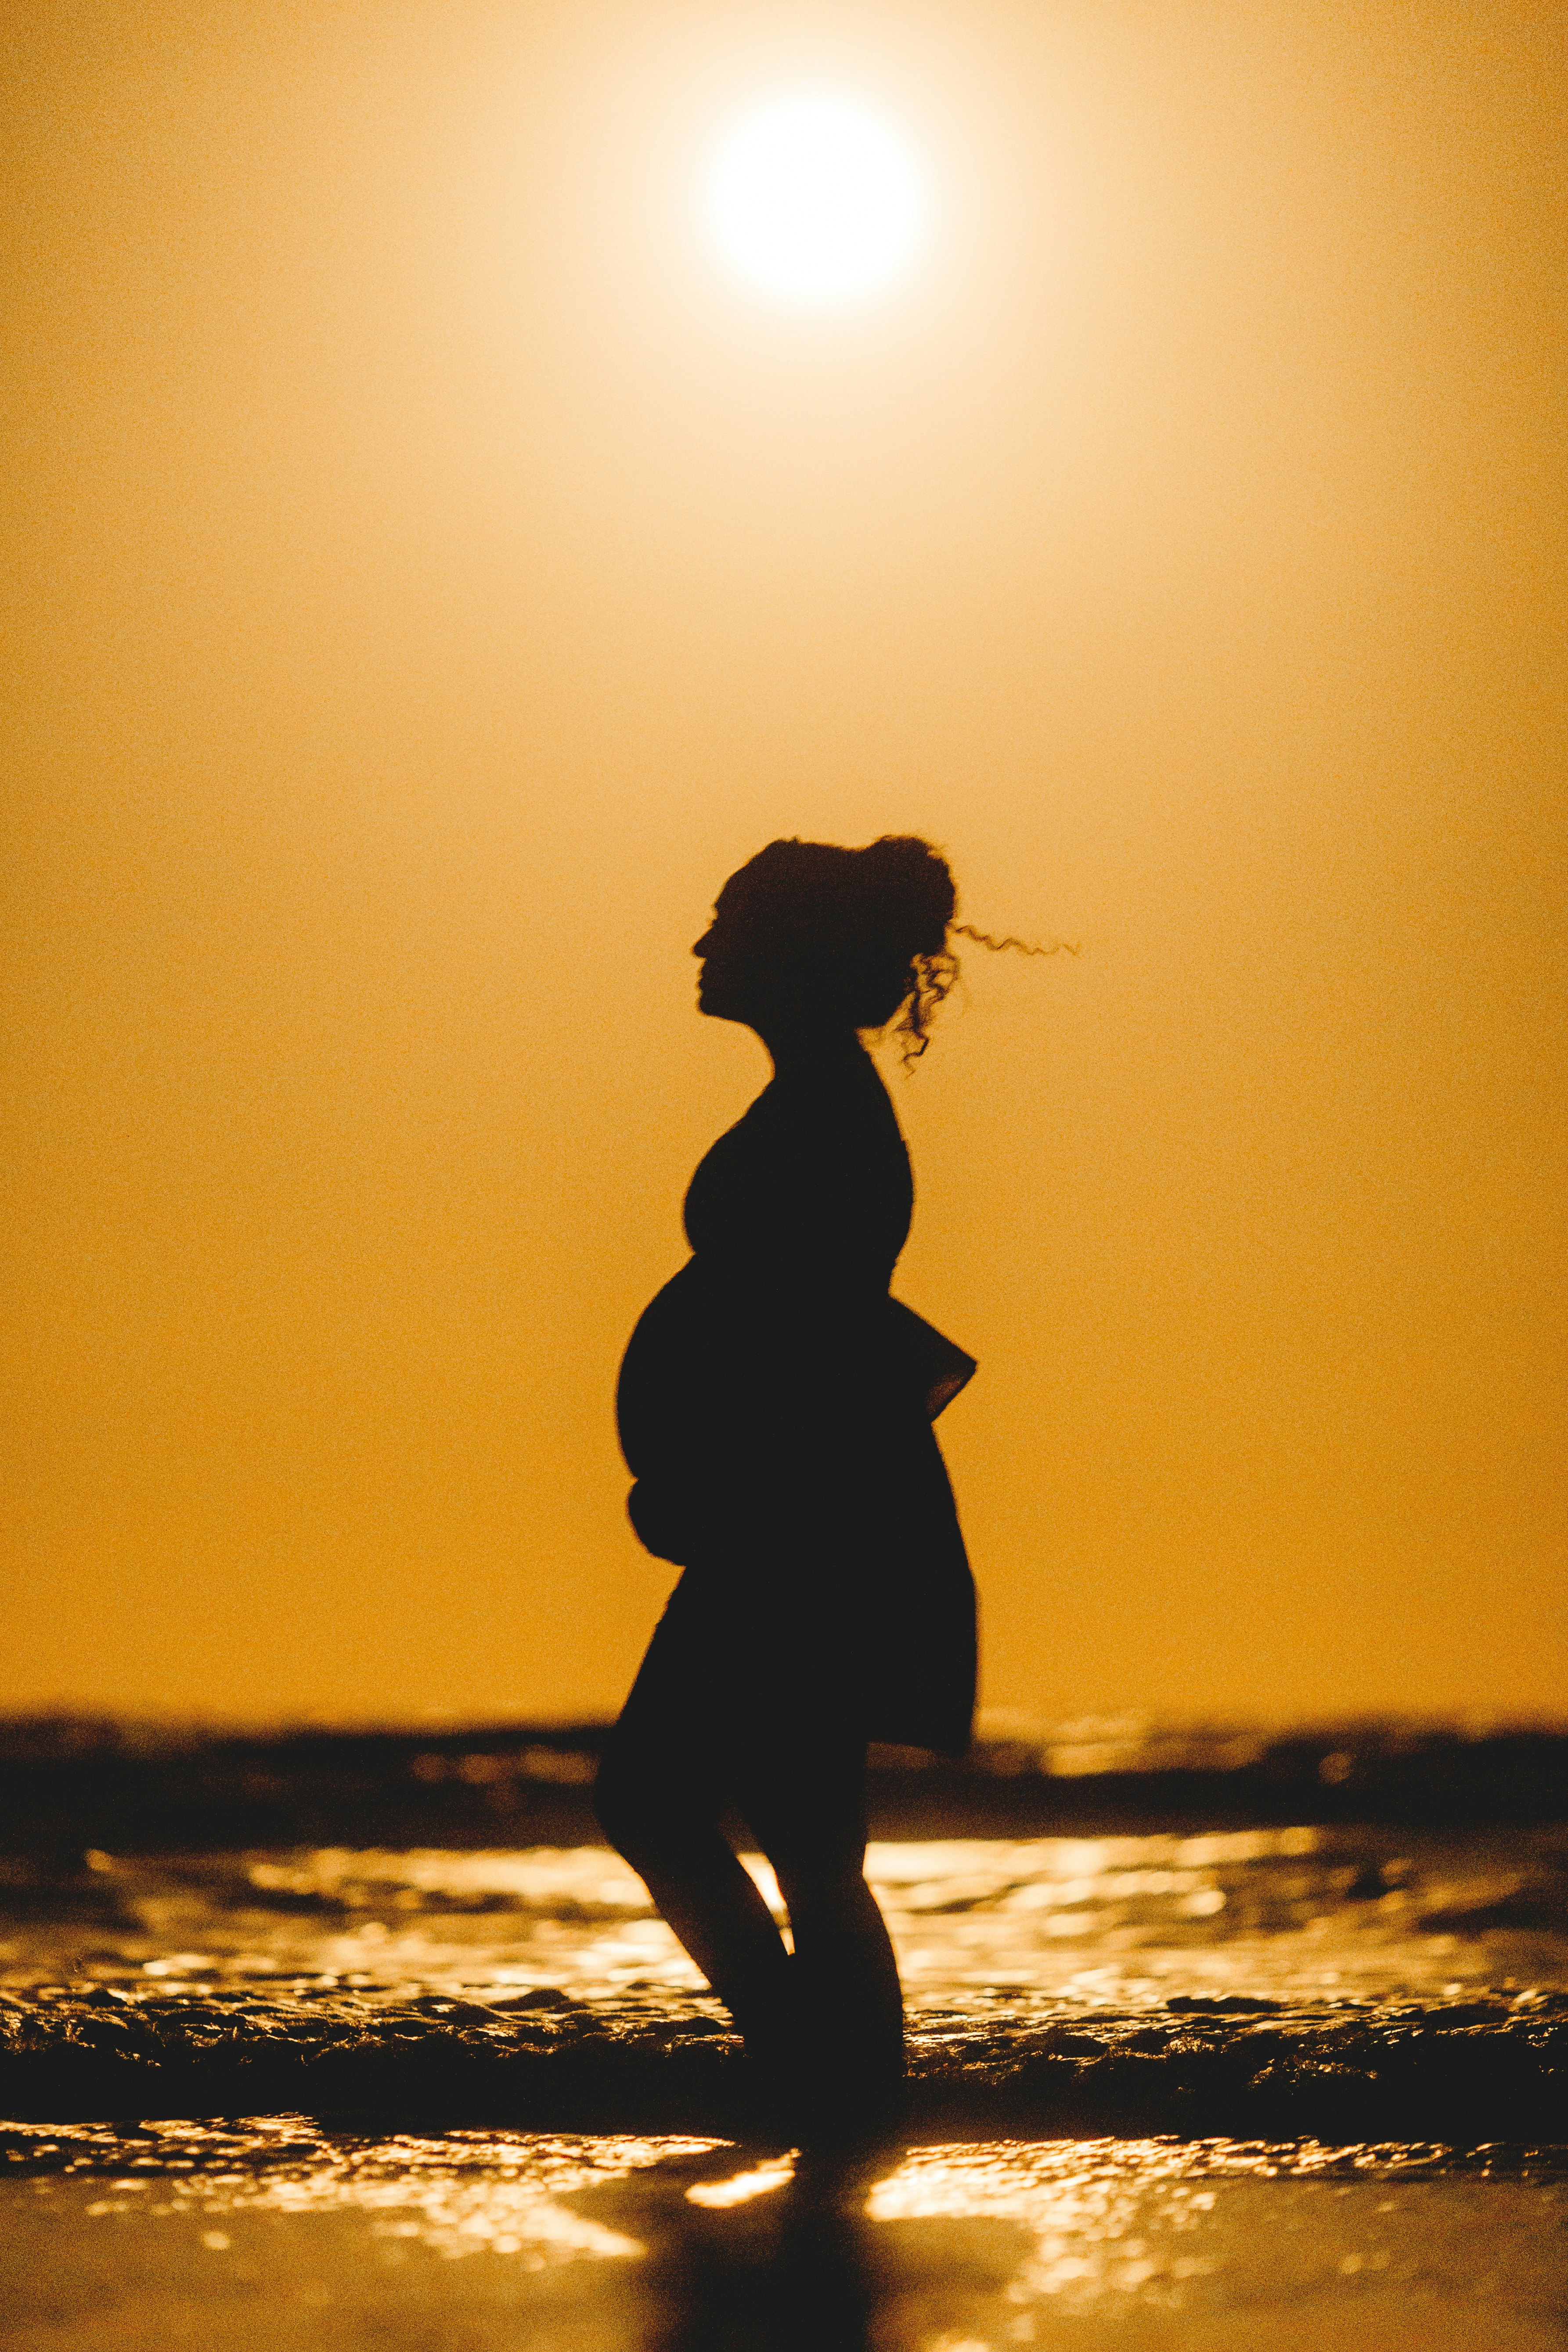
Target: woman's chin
717, 1006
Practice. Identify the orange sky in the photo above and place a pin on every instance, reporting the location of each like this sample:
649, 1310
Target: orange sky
435, 577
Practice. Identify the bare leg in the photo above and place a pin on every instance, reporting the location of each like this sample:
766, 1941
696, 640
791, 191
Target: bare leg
709, 1900
666, 1777
850, 1998
849, 2014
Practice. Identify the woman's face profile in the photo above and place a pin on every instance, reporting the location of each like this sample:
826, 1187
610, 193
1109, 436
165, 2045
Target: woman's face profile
761, 963
722, 957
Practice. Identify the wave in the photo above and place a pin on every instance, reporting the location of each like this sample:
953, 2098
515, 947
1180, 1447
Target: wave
1491, 2069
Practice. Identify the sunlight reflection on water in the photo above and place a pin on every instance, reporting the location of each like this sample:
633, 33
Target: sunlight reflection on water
1291, 1910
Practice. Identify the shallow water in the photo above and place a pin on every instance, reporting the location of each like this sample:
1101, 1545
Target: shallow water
1263, 1982
1369, 1913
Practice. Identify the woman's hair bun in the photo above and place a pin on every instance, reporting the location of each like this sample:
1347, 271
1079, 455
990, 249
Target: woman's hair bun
915, 885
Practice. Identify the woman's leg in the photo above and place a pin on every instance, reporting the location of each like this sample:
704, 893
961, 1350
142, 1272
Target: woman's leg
806, 1801
669, 1770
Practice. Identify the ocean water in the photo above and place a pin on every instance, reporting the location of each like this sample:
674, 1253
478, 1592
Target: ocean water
1376, 1983
1285, 2083
1302, 1911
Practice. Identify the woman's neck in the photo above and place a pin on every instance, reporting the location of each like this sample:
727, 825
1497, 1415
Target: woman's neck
798, 1048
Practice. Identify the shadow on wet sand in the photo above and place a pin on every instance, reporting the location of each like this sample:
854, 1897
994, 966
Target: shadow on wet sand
785, 2254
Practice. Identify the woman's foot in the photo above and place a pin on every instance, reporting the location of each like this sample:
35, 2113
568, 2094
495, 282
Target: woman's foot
801, 2098
852, 2114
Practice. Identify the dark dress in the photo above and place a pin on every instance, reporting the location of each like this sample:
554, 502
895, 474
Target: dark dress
775, 1412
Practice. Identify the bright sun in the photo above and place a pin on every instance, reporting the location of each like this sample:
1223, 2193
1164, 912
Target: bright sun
814, 199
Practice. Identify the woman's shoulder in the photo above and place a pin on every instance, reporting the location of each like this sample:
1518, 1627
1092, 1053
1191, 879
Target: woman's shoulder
846, 1087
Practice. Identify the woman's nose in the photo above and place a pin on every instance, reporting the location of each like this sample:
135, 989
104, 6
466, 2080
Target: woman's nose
700, 947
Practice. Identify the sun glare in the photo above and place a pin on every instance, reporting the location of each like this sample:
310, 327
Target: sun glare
814, 199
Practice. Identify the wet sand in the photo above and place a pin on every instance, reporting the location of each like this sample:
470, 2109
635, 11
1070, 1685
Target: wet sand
279, 2237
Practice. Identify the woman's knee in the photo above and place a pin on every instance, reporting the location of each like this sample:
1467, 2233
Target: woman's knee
621, 1805
823, 1889
646, 1812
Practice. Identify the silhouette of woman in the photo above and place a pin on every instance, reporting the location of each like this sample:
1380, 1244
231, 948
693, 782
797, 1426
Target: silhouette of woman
775, 1410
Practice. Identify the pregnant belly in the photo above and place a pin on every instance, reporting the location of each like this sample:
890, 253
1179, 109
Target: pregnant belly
718, 1368
750, 1419
662, 1398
